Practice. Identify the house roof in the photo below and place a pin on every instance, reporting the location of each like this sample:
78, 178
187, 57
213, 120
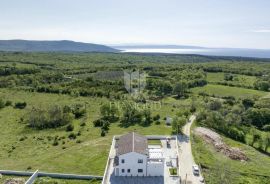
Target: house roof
132, 142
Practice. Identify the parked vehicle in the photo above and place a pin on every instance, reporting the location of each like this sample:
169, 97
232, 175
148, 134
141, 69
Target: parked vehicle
196, 170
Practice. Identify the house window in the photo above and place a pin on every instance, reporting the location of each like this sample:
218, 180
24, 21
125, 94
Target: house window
128, 170
140, 161
140, 170
123, 161
123, 170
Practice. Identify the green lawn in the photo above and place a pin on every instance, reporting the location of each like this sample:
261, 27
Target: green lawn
154, 142
215, 77
218, 168
220, 90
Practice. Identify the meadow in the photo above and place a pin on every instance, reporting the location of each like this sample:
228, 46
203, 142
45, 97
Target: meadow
223, 91
36, 150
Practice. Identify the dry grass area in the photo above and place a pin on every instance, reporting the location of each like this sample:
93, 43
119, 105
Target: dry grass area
15, 181
213, 138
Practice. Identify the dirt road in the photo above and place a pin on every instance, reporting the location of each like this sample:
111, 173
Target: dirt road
185, 158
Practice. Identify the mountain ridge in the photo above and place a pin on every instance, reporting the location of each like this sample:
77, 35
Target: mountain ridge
18, 45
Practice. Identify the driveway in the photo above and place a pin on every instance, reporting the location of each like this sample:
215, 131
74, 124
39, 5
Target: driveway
185, 155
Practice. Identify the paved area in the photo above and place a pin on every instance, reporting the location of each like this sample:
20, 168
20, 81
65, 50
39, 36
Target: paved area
136, 180
170, 154
185, 155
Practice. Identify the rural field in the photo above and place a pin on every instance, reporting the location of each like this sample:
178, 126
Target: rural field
59, 112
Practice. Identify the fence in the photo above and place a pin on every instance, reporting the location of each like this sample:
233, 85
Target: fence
51, 175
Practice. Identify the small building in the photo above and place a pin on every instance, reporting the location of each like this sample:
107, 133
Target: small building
134, 158
169, 120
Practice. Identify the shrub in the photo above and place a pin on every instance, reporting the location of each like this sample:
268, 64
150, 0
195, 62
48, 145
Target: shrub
20, 105
8, 103
105, 126
2, 104
98, 123
266, 128
78, 141
156, 117
22, 138
48, 118
82, 124
236, 134
247, 102
66, 109
215, 105
49, 138
72, 136
70, 128
103, 133
55, 142
157, 122
78, 111
192, 109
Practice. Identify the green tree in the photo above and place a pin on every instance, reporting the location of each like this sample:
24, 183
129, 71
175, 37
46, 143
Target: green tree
180, 88
109, 111
215, 105
228, 77
146, 119
255, 136
247, 102
267, 142
178, 123
131, 114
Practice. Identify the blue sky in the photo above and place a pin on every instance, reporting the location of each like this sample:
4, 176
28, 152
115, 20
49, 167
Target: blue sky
212, 23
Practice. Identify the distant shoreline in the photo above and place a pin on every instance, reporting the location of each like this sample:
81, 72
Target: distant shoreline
256, 53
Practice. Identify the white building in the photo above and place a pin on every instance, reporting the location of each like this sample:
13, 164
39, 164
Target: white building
134, 158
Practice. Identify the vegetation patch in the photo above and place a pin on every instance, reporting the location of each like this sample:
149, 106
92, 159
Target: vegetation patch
173, 171
154, 142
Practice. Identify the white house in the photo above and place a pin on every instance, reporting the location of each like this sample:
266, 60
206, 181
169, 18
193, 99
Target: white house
134, 158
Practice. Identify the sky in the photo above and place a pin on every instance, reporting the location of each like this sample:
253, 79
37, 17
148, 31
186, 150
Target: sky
209, 23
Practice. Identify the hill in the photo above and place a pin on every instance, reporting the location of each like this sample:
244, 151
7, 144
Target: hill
52, 46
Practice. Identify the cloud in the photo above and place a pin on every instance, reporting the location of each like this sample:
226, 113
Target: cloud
261, 31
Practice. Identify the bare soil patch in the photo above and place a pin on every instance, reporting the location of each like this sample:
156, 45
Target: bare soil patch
214, 138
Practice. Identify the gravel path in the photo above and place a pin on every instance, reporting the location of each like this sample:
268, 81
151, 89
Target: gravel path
185, 158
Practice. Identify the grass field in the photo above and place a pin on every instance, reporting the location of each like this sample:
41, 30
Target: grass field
218, 168
37, 152
219, 90
242, 80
